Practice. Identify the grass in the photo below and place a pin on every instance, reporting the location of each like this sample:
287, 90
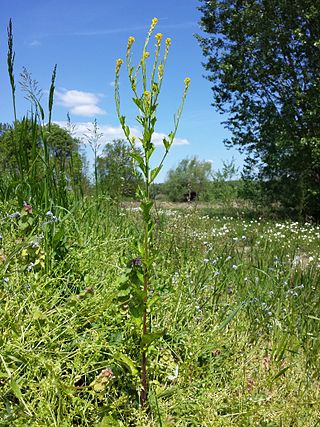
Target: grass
237, 300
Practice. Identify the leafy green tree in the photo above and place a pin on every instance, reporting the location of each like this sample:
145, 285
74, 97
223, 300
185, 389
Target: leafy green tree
225, 188
21, 157
116, 170
263, 60
189, 180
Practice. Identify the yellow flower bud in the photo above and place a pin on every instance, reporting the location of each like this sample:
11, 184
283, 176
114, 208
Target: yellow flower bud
168, 42
160, 71
131, 40
154, 22
158, 38
147, 96
118, 64
187, 81
146, 55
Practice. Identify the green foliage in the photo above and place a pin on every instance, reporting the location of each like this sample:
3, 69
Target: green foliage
117, 172
189, 180
263, 61
41, 161
225, 188
23, 166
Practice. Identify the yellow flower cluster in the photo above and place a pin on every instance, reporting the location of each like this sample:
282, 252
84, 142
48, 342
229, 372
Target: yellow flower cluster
168, 42
146, 55
131, 40
147, 96
158, 38
154, 22
187, 81
160, 71
118, 65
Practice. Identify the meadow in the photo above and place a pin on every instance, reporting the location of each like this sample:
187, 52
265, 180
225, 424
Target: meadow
139, 314
236, 299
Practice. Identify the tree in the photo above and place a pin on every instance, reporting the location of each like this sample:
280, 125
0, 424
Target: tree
263, 60
189, 180
225, 188
116, 170
21, 157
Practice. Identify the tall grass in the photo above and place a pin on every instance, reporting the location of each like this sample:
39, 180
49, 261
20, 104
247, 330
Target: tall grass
237, 299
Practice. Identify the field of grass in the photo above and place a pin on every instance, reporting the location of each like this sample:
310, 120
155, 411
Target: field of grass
237, 300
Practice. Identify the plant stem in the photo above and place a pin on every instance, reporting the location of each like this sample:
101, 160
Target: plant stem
144, 379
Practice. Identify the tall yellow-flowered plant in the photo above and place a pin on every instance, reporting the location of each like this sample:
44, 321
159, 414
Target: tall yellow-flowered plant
146, 89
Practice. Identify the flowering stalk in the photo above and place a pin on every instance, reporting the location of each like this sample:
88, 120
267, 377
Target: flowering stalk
147, 104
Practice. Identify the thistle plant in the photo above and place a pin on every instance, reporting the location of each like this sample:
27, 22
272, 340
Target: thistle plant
146, 89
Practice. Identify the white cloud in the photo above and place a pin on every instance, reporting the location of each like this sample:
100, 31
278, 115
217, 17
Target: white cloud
109, 133
34, 43
111, 31
80, 103
87, 110
158, 138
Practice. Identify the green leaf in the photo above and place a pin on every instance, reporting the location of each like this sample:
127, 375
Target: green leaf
168, 392
138, 103
140, 161
145, 207
109, 421
154, 173
166, 144
16, 389
231, 316
140, 277
282, 372
152, 301
126, 131
127, 362
41, 110
313, 317
146, 136
147, 339
141, 120
137, 310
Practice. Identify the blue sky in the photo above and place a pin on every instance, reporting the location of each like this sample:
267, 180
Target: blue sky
84, 39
